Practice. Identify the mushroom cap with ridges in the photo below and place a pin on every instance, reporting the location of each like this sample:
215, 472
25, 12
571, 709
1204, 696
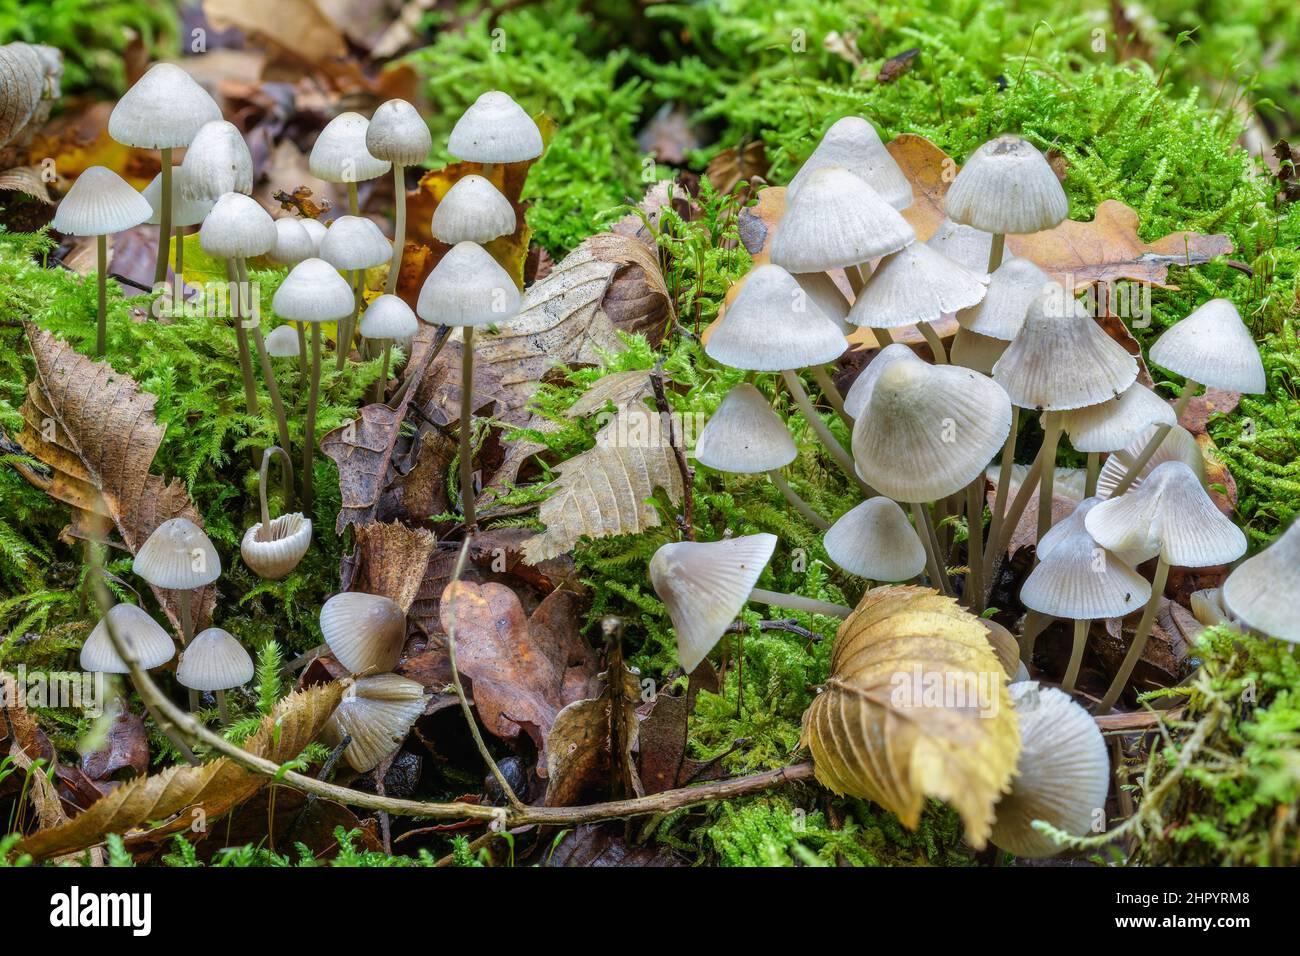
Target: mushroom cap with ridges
316, 229
355, 242
1013, 288
1117, 422
1263, 591
495, 129
377, 713
237, 228
152, 645
1006, 187
100, 203
286, 542
975, 351
313, 291
388, 317
340, 154
164, 109
916, 284
178, 556
1071, 524
185, 212
1212, 346
217, 162
293, 243
1081, 581
398, 134
1178, 445
744, 436
282, 342
467, 287
364, 632
874, 540
964, 244
772, 325
853, 144
826, 295
860, 391
473, 211
214, 660
836, 220
704, 585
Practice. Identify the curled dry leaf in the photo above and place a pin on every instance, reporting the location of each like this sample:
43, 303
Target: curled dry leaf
389, 560
29, 85
580, 747
916, 706
26, 180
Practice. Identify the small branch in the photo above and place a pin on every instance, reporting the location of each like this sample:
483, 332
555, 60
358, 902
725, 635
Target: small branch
687, 473
788, 624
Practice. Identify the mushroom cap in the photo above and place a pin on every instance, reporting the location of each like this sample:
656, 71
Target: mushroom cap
836, 220
1178, 445
217, 162
340, 154
164, 109
376, 712
185, 212
1171, 515
964, 244
927, 431
364, 632
1005, 646
473, 211
237, 228
288, 538
1013, 287
398, 134
1061, 359
1062, 773
293, 243
1208, 607
826, 295
852, 143
1005, 187
152, 645
214, 660
467, 287
856, 399
874, 540
178, 556
316, 229
313, 291
355, 242
1072, 524
772, 325
1081, 581
972, 350
100, 202
388, 317
495, 129
1212, 346
916, 284
704, 585
744, 436
1117, 422
282, 342
1262, 590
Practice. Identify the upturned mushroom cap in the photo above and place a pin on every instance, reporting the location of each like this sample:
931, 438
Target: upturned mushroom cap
1061, 359
99, 203
388, 317
1117, 422
178, 556
473, 211
217, 162
964, 244
355, 242
152, 645
975, 351
185, 212
313, 291
293, 243
1005, 187
744, 436
704, 585
1013, 288
316, 229
853, 144
916, 284
1062, 773
282, 342
856, 399
287, 539
1212, 346
1171, 515
365, 632
836, 220
1178, 445
826, 295
164, 109
495, 129
237, 228
772, 325
874, 540
398, 134
1264, 590
927, 431
214, 660
377, 713
340, 154
1081, 581
467, 287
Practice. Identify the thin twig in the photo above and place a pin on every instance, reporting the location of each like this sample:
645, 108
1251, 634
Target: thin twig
787, 624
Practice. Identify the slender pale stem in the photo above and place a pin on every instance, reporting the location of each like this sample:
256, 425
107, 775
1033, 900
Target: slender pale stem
466, 426
178, 297
1139, 639
995, 251
268, 375
1051, 438
827, 439
164, 218
925, 531
187, 632
1144, 456
444, 334
286, 467
831, 393
101, 328
241, 339
1001, 493
1076, 655
975, 544
382, 383
798, 602
354, 204
799, 504
348, 326
998, 543
309, 428
303, 366
884, 337
399, 227
222, 709
1092, 473
936, 344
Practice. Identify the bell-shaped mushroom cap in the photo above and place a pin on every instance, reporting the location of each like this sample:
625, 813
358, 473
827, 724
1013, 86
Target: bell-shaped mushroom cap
282, 342
313, 291
365, 632
1178, 445
178, 556
852, 143
1212, 346
100, 202
398, 134
185, 212
467, 287
355, 242
293, 242
964, 244
277, 553
927, 431
826, 295
836, 220
388, 317
1169, 514
979, 352
473, 211
237, 228
860, 391
151, 644
1061, 359
1007, 186
1013, 288
745, 436
915, 284
214, 660
495, 129
1081, 581
772, 325
217, 162
1264, 590
164, 109
874, 540
377, 713
1062, 773
1117, 422
1069, 526
316, 229
340, 154
704, 585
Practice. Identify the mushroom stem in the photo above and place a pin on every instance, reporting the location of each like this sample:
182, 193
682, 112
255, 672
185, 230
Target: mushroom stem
466, 424
264, 532
1076, 655
857, 276
1139, 639
101, 327
930, 541
936, 344
222, 709
1144, 456
164, 218
884, 337
996, 249
272, 386
1004, 477
382, 383
1092, 473
302, 349
241, 338
997, 544
975, 544
309, 428
827, 439
799, 504
354, 204
399, 227
178, 296
1051, 438
831, 393
187, 631
798, 602
347, 327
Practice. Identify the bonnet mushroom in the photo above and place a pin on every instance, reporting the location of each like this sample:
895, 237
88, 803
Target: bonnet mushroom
874, 540
282, 342
340, 155
273, 548
185, 212
1114, 424
152, 646
964, 244
353, 244
495, 129
217, 162
215, 662
1263, 590
293, 243
376, 713
364, 632
387, 318
854, 144
473, 211
1178, 445
398, 134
